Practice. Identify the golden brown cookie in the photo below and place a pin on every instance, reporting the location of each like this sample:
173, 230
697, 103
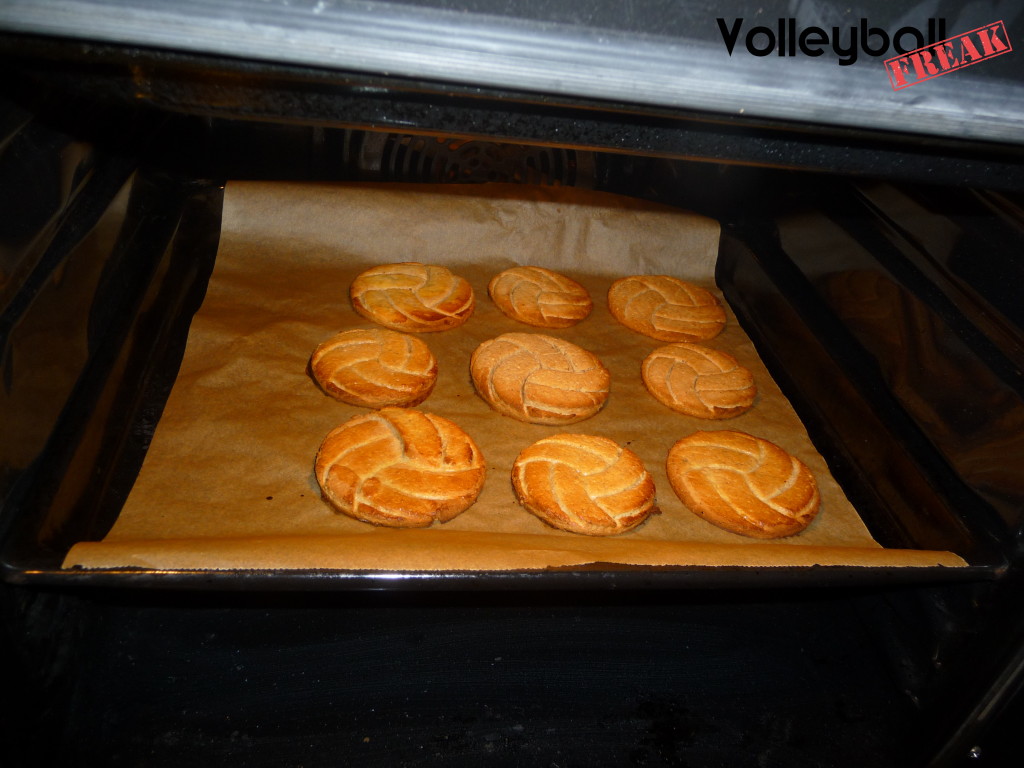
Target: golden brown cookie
540, 297
698, 381
413, 297
400, 467
539, 379
584, 484
375, 368
743, 484
666, 308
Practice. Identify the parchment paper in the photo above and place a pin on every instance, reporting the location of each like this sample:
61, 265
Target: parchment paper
228, 480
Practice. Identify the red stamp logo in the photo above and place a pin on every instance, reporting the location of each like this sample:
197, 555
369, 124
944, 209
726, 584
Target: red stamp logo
948, 55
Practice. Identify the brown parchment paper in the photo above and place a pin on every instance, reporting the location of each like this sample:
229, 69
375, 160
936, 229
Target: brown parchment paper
228, 480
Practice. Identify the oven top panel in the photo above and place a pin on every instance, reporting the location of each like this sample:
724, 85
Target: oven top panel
820, 63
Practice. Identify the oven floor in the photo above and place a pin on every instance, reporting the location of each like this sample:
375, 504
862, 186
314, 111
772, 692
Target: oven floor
553, 680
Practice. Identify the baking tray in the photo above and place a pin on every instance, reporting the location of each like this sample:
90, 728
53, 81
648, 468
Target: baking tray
157, 278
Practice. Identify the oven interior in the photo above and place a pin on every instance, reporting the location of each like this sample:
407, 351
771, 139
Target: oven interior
919, 415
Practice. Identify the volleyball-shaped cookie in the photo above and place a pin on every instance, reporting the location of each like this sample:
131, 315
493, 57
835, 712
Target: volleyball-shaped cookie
374, 368
584, 484
540, 297
412, 297
743, 484
666, 308
400, 467
698, 381
539, 379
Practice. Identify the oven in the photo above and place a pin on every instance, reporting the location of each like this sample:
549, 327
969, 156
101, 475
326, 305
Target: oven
867, 243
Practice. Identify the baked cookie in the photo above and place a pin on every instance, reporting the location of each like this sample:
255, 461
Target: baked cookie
412, 297
539, 379
666, 308
400, 467
540, 297
374, 368
698, 381
743, 484
584, 484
